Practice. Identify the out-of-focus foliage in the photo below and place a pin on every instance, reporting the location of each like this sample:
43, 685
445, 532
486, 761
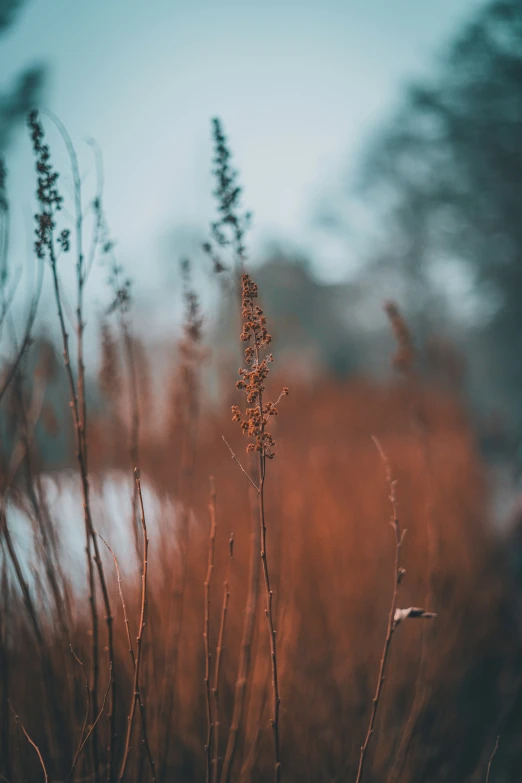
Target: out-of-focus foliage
22, 95
447, 173
310, 317
8, 11
312, 321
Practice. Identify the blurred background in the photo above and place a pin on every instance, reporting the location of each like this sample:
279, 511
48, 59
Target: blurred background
377, 144
378, 147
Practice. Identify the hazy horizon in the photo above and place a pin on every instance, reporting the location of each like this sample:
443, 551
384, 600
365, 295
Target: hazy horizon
298, 87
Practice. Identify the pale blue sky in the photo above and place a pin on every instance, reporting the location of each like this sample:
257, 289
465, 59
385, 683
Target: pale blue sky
298, 84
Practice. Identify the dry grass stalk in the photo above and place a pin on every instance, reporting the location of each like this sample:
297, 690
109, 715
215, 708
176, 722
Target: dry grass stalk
491, 758
404, 361
315, 610
50, 203
26, 342
87, 712
254, 424
245, 649
219, 654
398, 573
185, 428
83, 742
206, 628
7, 296
43, 530
228, 236
136, 697
132, 657
53, 713
5, 736
31, 742
121, 303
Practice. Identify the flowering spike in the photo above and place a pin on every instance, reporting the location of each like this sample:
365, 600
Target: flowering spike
257, 416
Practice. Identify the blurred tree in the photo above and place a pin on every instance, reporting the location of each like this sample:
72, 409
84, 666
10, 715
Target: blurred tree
15, 103
312, 322
447, 171
309, 317
8, 11
23, 95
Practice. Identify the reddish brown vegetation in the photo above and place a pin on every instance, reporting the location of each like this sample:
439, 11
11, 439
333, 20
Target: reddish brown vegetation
185, 680
332, 557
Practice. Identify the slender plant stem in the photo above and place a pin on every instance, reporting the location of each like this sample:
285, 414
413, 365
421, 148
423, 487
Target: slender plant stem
136, 696
397, 575
5, 734
31, 742
91, 540
254, 332
42, 527
87, 712
219, 654
79, 413
132, 657
91, 730
130, 362
186, 485
245, 652
270, 619
276, 701
81, 276
206, 627
134, 430
122, 599
57, 717
490, 762
240, 465
26, 339
422, 686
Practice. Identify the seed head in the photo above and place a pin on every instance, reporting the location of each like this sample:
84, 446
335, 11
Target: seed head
229, 230
405, 355
47, 191
257, 415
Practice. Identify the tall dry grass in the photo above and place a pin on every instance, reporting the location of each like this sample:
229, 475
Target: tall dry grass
184, 682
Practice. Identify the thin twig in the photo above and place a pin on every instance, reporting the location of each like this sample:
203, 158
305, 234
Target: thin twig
397, 576
206, 627
46, 240
240, 465
122, 599
136, 697
121, 304
269, 593
219, 653
35, 746
245, 651
56, 713
254, 423
27, 338
42, 525
494, 753
83, 744
132, 655
96, 204
404, 362
135, 417
190, 397
269, 614
8, 296
88, 711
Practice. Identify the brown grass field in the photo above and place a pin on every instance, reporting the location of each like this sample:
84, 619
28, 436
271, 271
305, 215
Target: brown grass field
139, 696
